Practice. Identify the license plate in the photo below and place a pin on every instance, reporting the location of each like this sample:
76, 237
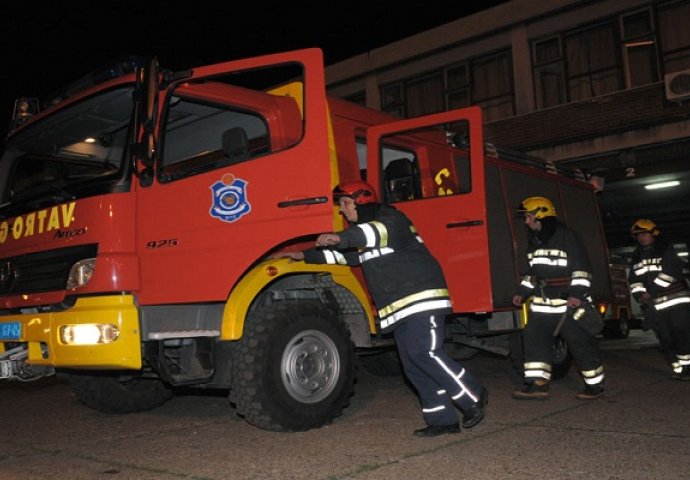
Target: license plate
10, 331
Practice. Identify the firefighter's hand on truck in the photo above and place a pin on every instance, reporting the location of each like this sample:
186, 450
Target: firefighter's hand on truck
518, 300
327, 239
293, 256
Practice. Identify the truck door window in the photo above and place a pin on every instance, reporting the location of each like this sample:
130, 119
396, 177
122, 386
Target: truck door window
200, 137
62, 153
215, 122
424, 164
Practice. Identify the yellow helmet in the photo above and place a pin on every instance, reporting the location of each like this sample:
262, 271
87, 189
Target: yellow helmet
644, 225
539, 206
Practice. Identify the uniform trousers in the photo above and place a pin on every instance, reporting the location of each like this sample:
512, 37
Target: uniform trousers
441, 382
674, 333
538, 340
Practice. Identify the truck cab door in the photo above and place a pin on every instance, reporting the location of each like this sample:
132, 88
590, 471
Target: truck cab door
432, 169
242, 166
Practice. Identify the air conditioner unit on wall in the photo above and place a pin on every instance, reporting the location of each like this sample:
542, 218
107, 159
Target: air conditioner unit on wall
677, 85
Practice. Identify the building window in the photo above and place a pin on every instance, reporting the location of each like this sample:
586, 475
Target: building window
592, 62
639, 49
457, 87
424, 95
549, 76
486, 81
492, 85
576, 65
675, 36
392, 100
585, 63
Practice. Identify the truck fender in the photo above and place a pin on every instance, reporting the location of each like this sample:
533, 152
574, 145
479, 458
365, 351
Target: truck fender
267, 272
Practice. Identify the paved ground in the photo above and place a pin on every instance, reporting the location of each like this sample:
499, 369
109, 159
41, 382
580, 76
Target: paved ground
640, 430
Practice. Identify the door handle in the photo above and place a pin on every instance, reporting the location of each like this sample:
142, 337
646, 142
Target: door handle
468, 223
302, 201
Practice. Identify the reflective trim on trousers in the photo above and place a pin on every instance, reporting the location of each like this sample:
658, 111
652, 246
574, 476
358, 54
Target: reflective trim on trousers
433, 409
594, 380
537, 370
537, 374
593, 377
458, 378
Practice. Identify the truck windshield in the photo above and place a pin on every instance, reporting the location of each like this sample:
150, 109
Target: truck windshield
67, 149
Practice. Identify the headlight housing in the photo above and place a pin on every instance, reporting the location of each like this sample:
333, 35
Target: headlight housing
88, 334
80, 273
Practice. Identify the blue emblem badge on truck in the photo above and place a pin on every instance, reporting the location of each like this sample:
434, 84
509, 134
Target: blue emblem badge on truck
229, 199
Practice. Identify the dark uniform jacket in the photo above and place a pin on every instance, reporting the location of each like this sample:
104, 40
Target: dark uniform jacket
658, 271
402, 275
558, 268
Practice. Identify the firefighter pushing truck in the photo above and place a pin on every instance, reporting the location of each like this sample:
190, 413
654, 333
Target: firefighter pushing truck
138, 216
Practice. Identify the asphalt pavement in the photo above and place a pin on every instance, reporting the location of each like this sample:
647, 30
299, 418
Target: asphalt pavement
640, 430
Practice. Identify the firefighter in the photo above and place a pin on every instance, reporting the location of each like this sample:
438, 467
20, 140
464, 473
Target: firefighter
558, 280
409, 290
657, 284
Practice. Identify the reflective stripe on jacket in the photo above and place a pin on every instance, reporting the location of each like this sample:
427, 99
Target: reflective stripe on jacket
402, 275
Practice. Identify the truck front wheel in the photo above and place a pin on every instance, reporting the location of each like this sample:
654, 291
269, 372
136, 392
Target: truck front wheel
113, 393
293, 369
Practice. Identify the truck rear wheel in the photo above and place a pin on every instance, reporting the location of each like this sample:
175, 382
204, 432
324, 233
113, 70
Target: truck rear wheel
294, 368
617, 328
113, 393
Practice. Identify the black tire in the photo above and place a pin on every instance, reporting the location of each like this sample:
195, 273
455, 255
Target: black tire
561, 360
623, 325
516, 354
119, 393
619, 328
294, 367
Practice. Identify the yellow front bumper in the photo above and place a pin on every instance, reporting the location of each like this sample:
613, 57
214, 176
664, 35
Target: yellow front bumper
41, 332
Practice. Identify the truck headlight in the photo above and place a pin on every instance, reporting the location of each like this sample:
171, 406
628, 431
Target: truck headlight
80, 273
88, 334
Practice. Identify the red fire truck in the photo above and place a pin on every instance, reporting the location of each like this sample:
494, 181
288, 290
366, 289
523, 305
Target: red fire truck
139, 214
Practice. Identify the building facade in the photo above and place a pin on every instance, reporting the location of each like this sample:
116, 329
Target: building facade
597, 85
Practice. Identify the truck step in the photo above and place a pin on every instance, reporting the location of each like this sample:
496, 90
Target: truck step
183, 334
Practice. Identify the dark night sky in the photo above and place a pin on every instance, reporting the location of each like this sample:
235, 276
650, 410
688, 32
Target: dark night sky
46, 44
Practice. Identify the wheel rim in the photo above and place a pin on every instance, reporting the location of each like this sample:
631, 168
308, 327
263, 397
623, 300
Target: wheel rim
623, 325
560, 350
310, 366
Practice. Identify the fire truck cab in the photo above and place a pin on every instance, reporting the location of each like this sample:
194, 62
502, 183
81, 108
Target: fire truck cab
139, 217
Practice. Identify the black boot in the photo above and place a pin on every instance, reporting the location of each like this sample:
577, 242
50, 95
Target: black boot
475, 414
436, 430
683, 375
537, 390
591, 392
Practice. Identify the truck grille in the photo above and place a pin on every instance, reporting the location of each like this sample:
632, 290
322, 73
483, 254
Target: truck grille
42, 271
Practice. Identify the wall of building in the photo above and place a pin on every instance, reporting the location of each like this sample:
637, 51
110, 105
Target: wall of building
618, 135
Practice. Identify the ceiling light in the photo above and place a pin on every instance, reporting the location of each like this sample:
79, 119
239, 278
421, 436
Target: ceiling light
656, 186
